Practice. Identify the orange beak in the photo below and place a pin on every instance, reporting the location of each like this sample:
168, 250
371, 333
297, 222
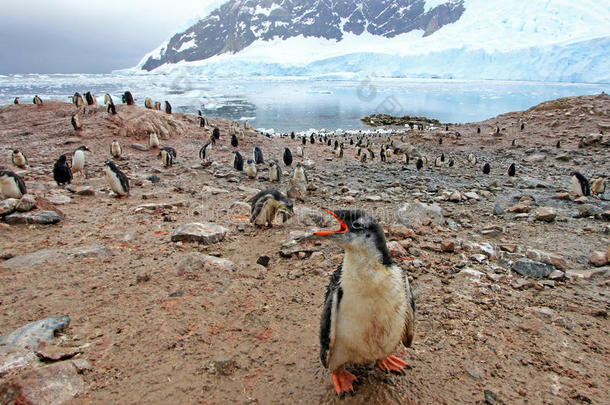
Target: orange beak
343, 228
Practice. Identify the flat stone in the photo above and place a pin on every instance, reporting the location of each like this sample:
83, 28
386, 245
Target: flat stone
471, 195
214, 190
546, 214
160, 205
85, 191
207, 233
32, 334
588, 210
520, 208
194, 263
532, 269
509, 247
36, 217
26, 203
56, 255
8, 206
498, 210
54, 384
556, 275
414, 213
59, 199
455, 196
373, 198
536, 157
91, 251
562, 196
139, 146
448, 246
470, 274
555, 260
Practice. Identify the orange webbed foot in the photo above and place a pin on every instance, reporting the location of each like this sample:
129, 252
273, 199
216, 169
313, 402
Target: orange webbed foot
344, 382
392, 364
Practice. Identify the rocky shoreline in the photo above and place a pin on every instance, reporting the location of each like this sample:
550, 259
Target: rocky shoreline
511, 273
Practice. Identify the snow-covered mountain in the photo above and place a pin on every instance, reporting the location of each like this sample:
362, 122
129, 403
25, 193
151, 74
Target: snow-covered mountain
546, 40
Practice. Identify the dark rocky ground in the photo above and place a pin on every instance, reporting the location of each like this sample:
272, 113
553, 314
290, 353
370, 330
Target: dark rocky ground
156, 321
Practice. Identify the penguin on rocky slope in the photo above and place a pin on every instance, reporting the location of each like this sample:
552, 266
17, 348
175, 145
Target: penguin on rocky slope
167, 156
580, 184
61, 171
275, 172
257, 154
153, 140
115, 149
369, 308
78, 159
19, 159
287, 157
11, 185
205, 152
117, 180
251, 169
238, 162
267, 204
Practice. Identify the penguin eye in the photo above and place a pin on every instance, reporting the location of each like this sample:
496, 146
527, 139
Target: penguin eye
357, 225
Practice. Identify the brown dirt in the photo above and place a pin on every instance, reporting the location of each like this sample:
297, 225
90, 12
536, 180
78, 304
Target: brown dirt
251, 336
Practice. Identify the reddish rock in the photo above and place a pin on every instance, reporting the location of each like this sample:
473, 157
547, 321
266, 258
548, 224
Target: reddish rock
509, 247
520, 208
396, 250
448, 246
598, 259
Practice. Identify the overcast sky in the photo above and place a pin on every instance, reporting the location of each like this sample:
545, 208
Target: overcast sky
88, 36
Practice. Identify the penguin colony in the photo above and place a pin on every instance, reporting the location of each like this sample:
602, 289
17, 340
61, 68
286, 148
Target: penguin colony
357, 302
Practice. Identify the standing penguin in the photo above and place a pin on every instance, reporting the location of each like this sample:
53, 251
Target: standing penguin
419, 164
78, 159
258, 155
61, 171
238, 162
339, 152
168, 107
478, 130
438, 162
205, 152
37, 100
11, 185
304, 140
108, 99
369, 307
90, 98
115, 149
234, 141
148, 103
17, 101
312, 140
598, 186
201, 122
558, 144
216, 133
486, 168
275, 172
300, 151
19, 159
157, 106
267, 204
287, 157
580, 184
405, 158
128, 98
118, 182
299, 174
111, 108
166, 157
512, 170
76, 122
77, 100
292, 135
153, 140
472, 159
251, 169
443, 157
451, 162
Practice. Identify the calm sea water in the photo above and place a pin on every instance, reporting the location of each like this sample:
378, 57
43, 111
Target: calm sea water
287, 104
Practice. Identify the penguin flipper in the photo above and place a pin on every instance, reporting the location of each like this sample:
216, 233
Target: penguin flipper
328, 322
409, 328
21, 185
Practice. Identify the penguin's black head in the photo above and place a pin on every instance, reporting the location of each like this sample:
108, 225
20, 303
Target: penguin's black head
16, 151
110, 164
359, 232
62, 159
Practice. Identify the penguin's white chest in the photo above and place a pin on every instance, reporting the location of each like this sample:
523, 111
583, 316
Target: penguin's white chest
299, 175
114, 182
371, 315
576, 188
78, 161
251, 170
9, 188
19, 160
116, 150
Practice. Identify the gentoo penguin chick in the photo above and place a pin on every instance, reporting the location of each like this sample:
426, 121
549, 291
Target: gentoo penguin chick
166, 157
128, 98
108, 99
11, 185
275, 172
438, 162
443, 157
598, 186
61, 171
115, 149
17, 101
287, 157
251, 169
216, 133
37, 100
118, 182
522, 126
382, 154
78, 159
363, 158
388, 152
266, 204
258, 155
405, 158
76, 122
580, 184
558, 144
19, 159
234, 141
300, 151
205, 152
339, 151
472, 159
77, 100
238, 162
148, 103
419, 164
299, 174
90, 98
514, 142
512, 170
153, 140
486, 168
369, 308
168, 107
